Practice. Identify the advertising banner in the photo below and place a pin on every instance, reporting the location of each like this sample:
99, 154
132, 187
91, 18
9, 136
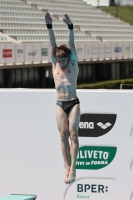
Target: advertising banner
81, 51
101, 50
115, 50
19, 53
37, 55
9, 53
29, 53
88, 50
95, 49
120, 50
2, 56
45, 52
108, 50
40, 52
30, 151
126, 49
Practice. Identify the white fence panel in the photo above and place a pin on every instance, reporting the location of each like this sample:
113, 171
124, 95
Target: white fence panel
114, 50
29, 53
45, 52
37, 56
108, 50
125, 2
19, 53
95, 3
101, 50
2, 54
95, 50
126, 49
120, 50
88, 51
9, 53
81, 51
76, 47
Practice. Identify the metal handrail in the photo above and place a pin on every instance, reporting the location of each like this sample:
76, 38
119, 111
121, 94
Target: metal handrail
125, 84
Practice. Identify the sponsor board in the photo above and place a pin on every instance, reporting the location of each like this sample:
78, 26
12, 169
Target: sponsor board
95, 125
37, 56
114, 52
7, 53
126, 49
92, 189
95, 157
81, 50
29, 53
33, 53
118, 49
88, 50
19, 52
44, 51
20, 55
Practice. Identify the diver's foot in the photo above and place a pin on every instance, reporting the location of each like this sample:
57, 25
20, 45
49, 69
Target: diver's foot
66, 178
72, 175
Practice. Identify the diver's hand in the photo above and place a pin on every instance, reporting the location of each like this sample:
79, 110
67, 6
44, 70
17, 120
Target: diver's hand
48, 18
67, 19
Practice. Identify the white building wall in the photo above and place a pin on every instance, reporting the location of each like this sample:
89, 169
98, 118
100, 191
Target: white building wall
107, 2
124, 2
95, 2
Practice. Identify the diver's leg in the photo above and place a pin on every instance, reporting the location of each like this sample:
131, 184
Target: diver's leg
74, 119
62, 123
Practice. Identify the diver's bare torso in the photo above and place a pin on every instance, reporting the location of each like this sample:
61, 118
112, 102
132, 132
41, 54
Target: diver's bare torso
65, 80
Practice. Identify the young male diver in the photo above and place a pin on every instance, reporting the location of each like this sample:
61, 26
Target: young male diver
65, 72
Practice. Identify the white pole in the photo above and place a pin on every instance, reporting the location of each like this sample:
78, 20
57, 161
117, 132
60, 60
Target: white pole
121, 86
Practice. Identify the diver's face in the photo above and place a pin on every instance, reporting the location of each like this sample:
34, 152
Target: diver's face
63, 61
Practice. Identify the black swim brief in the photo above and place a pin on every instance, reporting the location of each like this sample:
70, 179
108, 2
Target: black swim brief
67, 105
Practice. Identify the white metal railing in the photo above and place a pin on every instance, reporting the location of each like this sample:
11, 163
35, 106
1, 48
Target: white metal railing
121, 85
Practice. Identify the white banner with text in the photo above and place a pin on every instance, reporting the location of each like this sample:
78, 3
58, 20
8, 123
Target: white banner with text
31, 53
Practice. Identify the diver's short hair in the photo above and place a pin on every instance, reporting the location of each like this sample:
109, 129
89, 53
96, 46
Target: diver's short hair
62, 51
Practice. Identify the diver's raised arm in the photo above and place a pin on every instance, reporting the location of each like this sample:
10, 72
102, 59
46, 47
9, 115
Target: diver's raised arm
48, 21
74, 57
